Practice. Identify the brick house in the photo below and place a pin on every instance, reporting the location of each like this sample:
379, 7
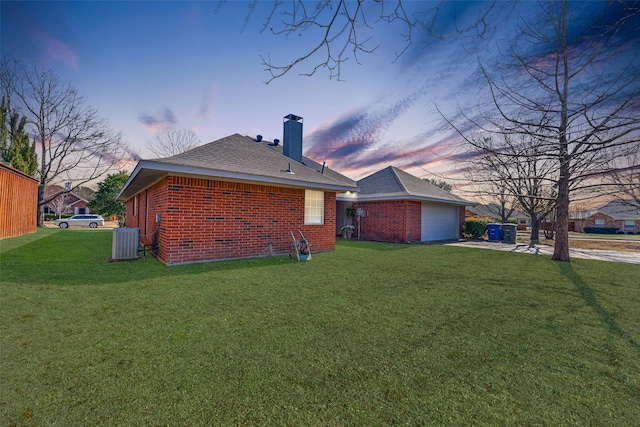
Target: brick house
625, 216
236, 197
72, 203
492, 210
394, 206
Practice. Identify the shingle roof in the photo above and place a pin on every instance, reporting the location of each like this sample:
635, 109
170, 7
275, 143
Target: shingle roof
51, 190
392, 183
620, 210
241, 158
492, 211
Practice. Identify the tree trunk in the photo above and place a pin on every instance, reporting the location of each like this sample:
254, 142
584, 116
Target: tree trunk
535, 229
561, 247
40, 210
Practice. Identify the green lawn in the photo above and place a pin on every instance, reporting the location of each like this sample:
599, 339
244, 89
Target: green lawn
370, 334
631, 237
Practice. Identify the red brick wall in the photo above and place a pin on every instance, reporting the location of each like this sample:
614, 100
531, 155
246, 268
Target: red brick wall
462, 218
204, 220
149, 202
390, 221
608, 222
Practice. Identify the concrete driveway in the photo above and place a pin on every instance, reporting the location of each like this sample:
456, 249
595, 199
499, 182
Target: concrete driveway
596, 254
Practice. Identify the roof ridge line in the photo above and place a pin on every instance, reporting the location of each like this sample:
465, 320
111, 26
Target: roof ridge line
399, 180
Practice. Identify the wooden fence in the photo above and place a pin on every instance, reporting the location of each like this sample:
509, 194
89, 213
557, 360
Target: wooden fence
18, 202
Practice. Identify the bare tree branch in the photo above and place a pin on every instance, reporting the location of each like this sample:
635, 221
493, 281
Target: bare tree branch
337, 28
75, 144
573, 90
169, 142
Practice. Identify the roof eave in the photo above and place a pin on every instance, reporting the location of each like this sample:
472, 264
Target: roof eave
166, 168
364, 198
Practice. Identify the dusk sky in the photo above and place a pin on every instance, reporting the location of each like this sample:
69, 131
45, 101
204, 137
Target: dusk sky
149, 64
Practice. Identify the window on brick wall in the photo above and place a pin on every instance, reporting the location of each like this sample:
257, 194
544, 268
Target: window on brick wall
629, 225
135, 205
313, 207
599, 222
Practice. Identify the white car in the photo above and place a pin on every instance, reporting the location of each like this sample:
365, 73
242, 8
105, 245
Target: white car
92, 221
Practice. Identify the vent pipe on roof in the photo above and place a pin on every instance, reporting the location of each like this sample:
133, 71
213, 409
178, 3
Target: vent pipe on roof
292, 145
259, 138
275, 143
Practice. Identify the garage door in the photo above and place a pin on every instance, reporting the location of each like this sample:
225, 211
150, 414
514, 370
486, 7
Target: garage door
439, 222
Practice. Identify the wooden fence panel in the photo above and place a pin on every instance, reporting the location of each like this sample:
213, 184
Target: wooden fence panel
18, 202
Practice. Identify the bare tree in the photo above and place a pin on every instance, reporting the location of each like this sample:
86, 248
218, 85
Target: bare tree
625, 176
60, 204
571, 88
169, 142
74, 143
507, 170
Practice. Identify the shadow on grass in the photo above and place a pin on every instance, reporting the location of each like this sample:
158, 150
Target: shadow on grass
10, 244
589, 296
374, 246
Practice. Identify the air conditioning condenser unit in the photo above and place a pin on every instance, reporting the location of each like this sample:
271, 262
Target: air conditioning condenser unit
126, 242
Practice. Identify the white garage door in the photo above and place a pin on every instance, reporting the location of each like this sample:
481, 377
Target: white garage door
439, 222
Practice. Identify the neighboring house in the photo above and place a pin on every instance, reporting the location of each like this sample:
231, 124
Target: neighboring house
73, 204
236, 197
481, 211
18, 202
492, 211
625, 216
394, 206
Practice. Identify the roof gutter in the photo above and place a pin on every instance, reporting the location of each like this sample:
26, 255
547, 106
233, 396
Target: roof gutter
359, 198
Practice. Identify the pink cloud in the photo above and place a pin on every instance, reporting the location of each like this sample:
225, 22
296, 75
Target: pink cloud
60, 52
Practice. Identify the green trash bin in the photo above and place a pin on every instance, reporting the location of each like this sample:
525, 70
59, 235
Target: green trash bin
509, 233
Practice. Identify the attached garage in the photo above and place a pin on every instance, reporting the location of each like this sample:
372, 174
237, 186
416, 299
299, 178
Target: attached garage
439, 222
398, 207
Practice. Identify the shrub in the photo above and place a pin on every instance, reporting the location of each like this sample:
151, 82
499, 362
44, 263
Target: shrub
600, 230
52, 216
474, 228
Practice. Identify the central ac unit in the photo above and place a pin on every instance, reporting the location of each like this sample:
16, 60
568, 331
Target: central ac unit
126, 242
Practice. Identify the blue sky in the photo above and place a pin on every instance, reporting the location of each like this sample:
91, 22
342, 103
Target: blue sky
149, 64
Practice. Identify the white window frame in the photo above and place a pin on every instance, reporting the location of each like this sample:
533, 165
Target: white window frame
629, 225
313, 207
600, 222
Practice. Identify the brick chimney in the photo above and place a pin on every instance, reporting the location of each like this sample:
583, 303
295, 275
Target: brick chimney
292, 140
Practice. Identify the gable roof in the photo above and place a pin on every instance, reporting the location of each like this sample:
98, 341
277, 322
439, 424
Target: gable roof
620, 210
491, 211
56, 190
237, 158
392, 183
483, 211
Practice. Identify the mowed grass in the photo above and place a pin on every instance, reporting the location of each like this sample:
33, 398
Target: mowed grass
370, 334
